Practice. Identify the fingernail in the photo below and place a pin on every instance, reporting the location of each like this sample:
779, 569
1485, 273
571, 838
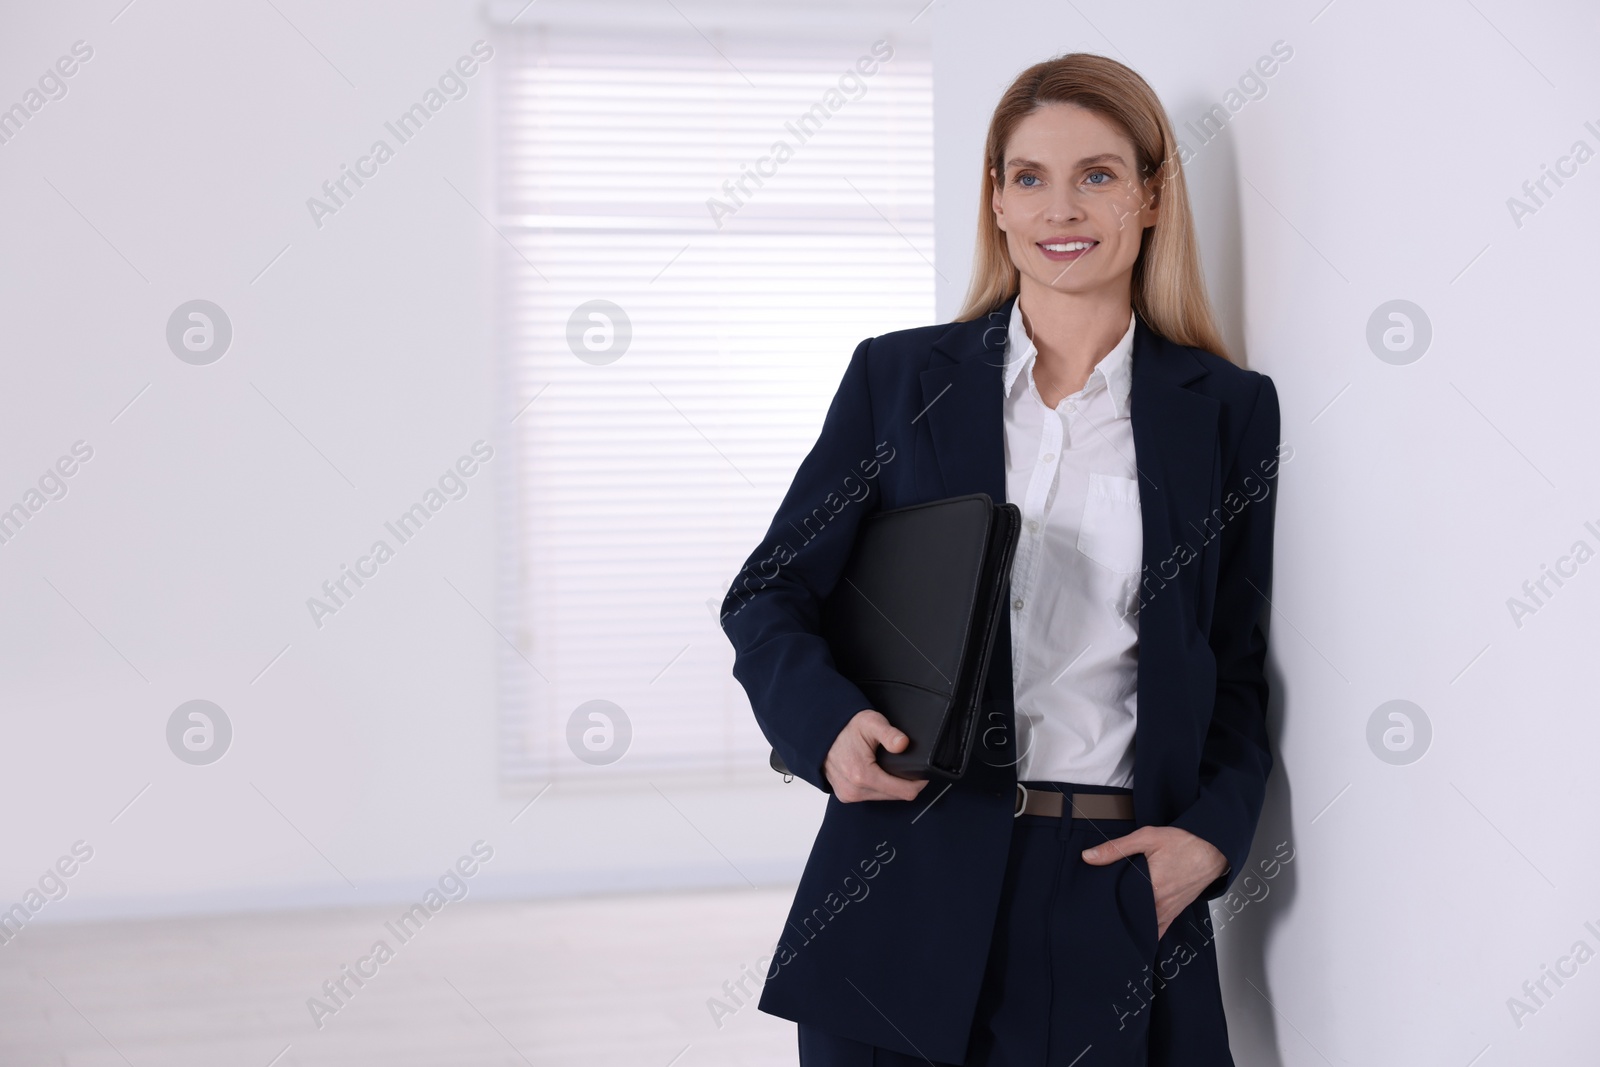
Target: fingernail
1091, 853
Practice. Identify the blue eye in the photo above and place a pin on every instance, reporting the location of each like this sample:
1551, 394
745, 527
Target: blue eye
1023, 180
1103, 173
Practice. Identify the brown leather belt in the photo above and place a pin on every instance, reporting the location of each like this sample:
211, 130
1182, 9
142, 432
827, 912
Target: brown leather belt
1053, 803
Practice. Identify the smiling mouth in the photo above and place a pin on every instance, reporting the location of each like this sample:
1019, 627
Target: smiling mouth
1066, 250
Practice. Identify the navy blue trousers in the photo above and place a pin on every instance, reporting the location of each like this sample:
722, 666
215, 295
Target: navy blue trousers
1072, 943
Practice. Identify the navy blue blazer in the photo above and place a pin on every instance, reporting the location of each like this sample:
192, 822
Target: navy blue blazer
888, 936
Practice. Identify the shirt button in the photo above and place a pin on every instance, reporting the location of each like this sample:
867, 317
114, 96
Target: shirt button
1047, 457
1033, 526
1017, 603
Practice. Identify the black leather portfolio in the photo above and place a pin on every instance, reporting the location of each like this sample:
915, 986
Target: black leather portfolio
912, 622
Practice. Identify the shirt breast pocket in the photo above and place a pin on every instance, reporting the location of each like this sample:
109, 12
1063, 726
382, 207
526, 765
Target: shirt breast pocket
1112, 531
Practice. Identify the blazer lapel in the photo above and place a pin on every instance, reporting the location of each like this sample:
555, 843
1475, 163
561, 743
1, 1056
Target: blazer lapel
1174, 427
962, 404
1174, 441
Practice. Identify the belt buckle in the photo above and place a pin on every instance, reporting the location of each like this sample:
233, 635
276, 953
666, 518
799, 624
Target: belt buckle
1022, 800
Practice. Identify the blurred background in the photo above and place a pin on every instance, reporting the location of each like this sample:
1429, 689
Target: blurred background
390, 393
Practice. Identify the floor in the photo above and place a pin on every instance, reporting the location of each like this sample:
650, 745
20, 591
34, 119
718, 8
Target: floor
606, 980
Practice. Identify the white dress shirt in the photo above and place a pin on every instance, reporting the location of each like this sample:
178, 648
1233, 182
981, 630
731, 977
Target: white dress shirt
1075, 579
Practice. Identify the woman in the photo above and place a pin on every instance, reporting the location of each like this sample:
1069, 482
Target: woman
1051, 906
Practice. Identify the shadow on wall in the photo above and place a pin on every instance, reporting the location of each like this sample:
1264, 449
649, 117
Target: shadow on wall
1211, 171
1245, 919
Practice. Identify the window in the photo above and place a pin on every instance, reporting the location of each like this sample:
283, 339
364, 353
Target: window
641, 481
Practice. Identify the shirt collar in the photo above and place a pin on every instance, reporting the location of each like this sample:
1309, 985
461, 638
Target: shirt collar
1114, 371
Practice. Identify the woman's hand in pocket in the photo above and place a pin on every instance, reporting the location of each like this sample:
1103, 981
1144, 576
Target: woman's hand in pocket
1181, 866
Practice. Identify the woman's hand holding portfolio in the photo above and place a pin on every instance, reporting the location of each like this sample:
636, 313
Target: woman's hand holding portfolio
852, 763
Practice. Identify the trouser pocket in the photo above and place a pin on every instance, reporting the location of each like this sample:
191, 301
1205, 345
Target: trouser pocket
1137, 899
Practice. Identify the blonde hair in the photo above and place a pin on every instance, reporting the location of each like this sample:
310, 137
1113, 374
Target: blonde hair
1169, 289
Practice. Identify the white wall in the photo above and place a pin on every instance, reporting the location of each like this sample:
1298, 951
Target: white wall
1377, 166
179, 562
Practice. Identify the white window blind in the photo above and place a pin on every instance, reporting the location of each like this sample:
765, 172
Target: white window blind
639, 485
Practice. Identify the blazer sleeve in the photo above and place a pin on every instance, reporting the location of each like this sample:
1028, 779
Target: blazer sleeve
1235, 759
772, 612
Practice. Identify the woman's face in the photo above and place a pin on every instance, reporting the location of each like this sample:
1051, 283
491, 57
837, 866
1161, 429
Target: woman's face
1070, 201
